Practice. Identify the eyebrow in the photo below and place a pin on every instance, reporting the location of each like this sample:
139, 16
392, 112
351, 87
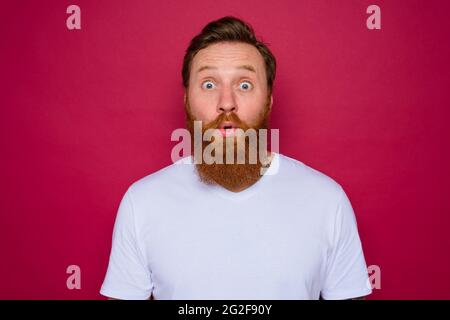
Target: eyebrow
245, 67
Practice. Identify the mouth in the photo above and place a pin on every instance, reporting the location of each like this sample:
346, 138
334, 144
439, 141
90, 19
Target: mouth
228, 128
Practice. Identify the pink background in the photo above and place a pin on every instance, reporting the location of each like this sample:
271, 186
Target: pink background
85, 113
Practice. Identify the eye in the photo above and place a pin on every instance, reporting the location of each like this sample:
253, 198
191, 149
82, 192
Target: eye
208, 85
245, 85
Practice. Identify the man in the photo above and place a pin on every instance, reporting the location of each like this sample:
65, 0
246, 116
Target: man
270, 229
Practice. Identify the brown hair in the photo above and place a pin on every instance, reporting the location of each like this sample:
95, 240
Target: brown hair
228, 29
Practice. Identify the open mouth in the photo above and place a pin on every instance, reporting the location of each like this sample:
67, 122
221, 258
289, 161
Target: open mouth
227, 128
227, 125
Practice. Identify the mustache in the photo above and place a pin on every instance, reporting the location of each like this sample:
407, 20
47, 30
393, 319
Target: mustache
260, 123
229, 117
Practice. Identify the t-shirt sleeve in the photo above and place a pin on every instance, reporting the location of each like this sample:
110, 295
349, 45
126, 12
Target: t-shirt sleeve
347, 275
127, 276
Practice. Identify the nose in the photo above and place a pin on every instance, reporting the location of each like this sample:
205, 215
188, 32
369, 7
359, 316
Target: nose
227, 101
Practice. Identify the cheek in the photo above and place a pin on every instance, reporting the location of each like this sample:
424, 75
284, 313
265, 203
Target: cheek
251, 108
202, 108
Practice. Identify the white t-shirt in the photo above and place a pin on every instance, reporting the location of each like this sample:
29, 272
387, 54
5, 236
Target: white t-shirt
291, 235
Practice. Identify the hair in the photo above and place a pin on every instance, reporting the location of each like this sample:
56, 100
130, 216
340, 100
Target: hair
228, 29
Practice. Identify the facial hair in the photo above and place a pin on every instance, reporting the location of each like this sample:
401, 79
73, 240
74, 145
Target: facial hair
232, 176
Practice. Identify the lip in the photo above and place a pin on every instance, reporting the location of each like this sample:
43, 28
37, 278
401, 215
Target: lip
226, 124
227, 128
228, 132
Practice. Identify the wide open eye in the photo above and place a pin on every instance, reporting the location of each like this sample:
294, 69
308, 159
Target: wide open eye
245, 85
208, 85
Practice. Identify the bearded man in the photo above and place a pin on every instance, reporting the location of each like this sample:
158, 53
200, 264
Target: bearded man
224, 224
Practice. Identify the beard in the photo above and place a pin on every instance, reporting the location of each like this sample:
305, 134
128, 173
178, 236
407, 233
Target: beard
233, 176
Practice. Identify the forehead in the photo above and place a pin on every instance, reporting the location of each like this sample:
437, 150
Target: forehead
229, 55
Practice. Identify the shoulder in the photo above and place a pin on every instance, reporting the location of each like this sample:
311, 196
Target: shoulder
301, 176
163, 183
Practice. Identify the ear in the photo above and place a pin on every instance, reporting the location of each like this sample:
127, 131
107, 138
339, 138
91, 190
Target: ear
185, 98
271, 102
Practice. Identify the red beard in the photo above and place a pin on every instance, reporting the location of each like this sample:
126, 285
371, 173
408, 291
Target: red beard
232, 176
